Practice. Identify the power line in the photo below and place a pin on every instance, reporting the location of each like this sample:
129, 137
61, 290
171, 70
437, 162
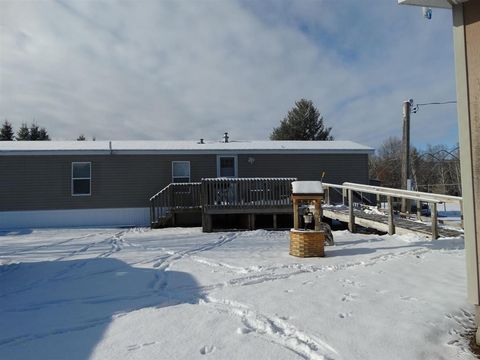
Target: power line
416, 107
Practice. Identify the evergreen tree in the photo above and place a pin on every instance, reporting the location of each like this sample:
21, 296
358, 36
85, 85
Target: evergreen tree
81, 138
34, 132
43, 135
6, 133
23, 133
303, 122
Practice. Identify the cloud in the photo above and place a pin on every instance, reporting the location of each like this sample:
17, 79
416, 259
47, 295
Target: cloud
190, 69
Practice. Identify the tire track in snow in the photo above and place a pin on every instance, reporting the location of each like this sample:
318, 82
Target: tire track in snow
31, 337
274, 329
270, 273
115, 241
116, 245
166, 261
16, 252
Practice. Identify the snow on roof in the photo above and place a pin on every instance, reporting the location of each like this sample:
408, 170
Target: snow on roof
307, 187
170, 147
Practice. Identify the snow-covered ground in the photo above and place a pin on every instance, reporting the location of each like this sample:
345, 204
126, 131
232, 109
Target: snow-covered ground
181, 294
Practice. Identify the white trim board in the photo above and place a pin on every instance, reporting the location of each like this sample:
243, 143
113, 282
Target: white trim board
73, 218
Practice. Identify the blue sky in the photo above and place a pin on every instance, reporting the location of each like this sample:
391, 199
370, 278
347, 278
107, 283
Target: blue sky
195, 69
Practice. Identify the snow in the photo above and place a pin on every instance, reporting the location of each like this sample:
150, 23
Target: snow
132, 146
179, 293
307, 187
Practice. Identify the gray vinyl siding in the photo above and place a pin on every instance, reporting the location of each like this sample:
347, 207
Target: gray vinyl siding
338, 168
118, 181
43, 182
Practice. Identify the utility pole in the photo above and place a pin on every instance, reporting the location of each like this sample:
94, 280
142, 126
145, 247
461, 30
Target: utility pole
406, 152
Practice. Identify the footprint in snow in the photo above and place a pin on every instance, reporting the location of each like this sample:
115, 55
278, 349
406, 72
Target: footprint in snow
243, 331
348, 297
207, 349
344, 315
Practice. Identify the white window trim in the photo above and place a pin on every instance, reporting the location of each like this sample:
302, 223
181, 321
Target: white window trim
84, 178
235, 167
189, 171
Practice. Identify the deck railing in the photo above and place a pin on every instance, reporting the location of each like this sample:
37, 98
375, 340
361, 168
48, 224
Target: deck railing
173, 197
246, 192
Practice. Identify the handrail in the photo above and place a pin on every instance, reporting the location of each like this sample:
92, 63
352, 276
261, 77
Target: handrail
405, 193
391, 193
160, 192
174, 196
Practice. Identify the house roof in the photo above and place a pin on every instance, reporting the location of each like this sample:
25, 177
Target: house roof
177, 147
447, 4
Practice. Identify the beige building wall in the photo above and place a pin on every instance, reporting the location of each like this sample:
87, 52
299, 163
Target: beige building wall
466, 20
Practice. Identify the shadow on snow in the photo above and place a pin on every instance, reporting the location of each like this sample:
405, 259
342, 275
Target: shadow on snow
61, 309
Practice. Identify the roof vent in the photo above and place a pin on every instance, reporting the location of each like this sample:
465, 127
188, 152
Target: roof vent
201, 142
225, 137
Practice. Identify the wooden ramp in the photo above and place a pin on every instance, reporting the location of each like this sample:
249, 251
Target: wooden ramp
380, 222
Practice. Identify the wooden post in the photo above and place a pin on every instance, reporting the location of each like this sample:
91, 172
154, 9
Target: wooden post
391, 224
327, 195
434, 221
461, 214
206, 222
351, 216
419, 210
151, 213
252, 221
379, 202
275, 226
317, 215
343, 196
295, 214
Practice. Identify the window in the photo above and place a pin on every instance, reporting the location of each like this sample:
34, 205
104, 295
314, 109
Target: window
180, 171
81, 178
226, 166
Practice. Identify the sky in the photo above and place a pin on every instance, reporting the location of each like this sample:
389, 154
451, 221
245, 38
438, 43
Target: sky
191, 69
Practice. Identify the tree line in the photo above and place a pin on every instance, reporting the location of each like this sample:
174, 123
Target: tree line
24, 133
434, 169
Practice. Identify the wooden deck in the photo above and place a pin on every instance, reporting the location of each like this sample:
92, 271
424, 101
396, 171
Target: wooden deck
245, 196
249, 198
380, 222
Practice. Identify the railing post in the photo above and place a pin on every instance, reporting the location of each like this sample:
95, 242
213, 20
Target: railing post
295, 214
151, 213
434, 221
391, 224
461, 213
343, 196
379, 202
317, 215
351, 216
327, 195
419, 210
